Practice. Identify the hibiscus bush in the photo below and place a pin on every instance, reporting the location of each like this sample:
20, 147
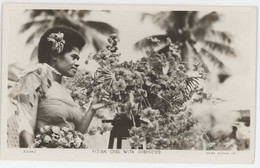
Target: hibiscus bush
155, 93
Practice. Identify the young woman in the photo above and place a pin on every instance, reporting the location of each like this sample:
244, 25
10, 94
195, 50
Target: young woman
41, 98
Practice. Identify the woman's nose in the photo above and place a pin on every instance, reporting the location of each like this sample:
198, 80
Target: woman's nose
76, 63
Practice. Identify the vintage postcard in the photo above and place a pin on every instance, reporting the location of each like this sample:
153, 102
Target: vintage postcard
128, 83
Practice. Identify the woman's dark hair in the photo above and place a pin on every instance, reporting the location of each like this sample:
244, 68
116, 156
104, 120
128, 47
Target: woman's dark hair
72, 39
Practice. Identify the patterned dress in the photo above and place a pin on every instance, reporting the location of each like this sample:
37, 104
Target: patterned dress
40, 101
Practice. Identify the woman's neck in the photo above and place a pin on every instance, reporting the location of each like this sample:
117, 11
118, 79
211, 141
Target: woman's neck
56, 77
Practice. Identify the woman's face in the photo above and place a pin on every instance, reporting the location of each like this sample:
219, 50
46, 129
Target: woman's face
68, 64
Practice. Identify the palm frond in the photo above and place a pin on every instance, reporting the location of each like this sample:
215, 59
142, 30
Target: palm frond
76, 14
203, 64
178, 20
222, 48
192, 18
147, 42
224, 36
200, 32
32, 23
223, 76
99, 43
199, 58
38, 32
82, 13
208, 19
42, 29
35, 13
34, 58
162, 19
213, 58
63, 20
203, 26
101, 27
156, 17
30, 38
145, 15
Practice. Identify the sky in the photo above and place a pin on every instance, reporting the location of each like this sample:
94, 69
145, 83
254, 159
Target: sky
131, 29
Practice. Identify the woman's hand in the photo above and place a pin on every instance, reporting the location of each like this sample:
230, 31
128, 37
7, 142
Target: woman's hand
99, 101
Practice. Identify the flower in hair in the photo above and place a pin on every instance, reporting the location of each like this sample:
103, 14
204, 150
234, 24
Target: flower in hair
57, 41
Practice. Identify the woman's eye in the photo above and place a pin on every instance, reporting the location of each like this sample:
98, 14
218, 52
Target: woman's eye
75, 57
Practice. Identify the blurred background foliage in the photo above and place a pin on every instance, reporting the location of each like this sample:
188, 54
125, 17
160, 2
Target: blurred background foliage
95, 32
196, 37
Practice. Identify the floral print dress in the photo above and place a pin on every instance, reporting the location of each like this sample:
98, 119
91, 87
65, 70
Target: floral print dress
41, 101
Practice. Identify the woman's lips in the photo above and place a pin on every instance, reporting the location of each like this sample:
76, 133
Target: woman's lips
74, 69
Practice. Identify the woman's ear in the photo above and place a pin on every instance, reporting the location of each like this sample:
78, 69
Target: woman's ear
54, 57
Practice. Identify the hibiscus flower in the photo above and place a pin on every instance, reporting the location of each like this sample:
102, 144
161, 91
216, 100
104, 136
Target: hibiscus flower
137, 78
119, 85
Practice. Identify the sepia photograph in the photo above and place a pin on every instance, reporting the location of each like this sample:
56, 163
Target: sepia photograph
137, 83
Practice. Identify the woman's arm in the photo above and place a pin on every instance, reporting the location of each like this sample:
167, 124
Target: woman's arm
95, 105
85, 122
26, 139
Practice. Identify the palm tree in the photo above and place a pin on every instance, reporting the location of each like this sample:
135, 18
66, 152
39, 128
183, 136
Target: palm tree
94, 32
187, 29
